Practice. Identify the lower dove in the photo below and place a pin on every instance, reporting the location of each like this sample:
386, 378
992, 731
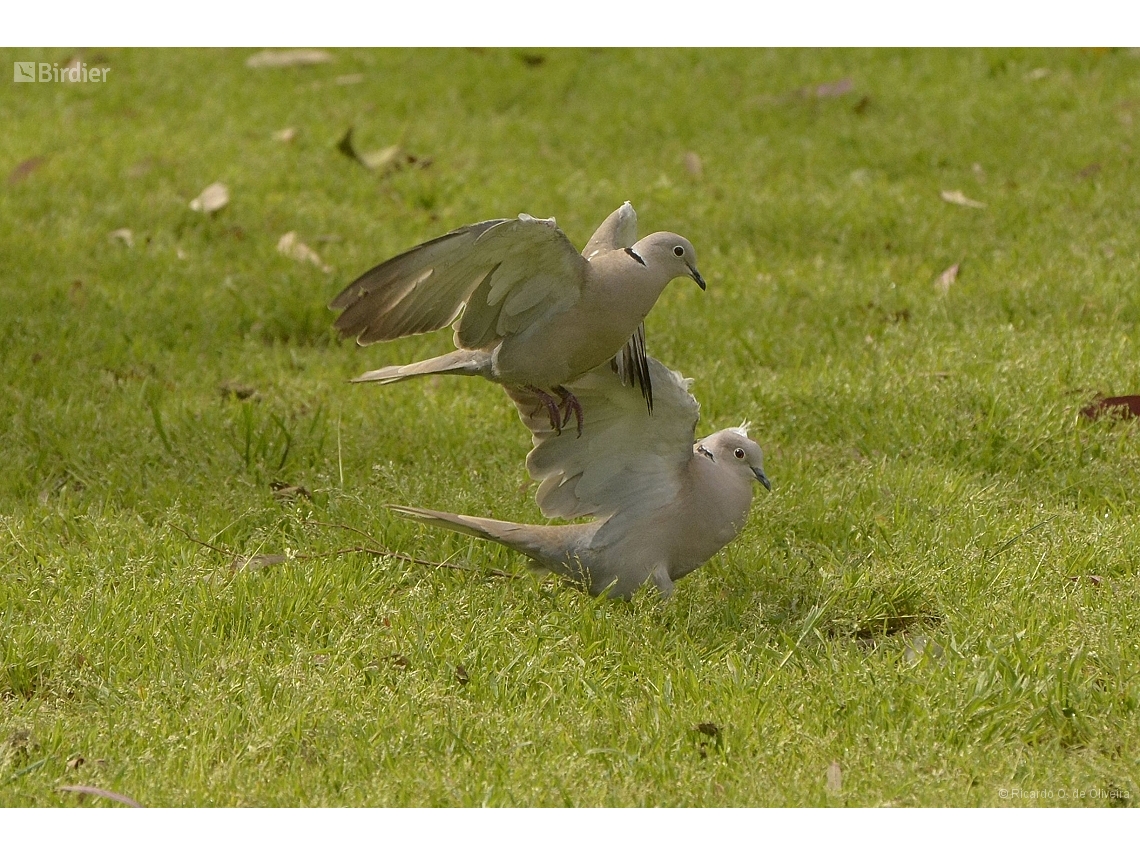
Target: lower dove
530, 312
663, 505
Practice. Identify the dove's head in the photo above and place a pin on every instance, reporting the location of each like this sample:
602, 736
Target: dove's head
671, 253
733, 449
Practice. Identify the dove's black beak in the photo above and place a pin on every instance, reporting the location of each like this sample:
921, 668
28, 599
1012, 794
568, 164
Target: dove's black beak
696, 276
761, 477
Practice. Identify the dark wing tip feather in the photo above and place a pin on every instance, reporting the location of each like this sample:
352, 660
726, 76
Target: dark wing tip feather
632, 366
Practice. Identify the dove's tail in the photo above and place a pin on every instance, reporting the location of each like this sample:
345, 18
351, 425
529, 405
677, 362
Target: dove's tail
551, 547
475, 363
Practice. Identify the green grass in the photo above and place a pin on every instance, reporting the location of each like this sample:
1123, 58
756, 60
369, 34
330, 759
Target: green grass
940, 595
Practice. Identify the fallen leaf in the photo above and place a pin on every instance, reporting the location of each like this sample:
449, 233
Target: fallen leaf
241, 391
834, 777
693, 164
75, 761
288, 58
1122, 406
834, 89
101, 793
461, 675
710, 729
257, 562
291, 247
383, 160
399, 661
213, 198
947, 278
957, 197
25, 168
124, 235
283, 492
920, 646
285, 135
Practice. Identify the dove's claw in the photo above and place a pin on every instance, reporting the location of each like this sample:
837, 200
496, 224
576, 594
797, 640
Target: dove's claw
552, 406
571, 405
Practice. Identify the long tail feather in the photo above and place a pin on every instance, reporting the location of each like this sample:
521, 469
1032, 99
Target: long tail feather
473, 363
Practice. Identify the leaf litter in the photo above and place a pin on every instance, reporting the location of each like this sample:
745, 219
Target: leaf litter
213, 198
288, 58
382, 160
291, 247
957, 197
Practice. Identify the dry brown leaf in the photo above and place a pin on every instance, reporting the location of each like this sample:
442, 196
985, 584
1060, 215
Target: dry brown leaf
957, 197
101, 793
383, 160
25, 168
239, 390
75, 761
834, 777
285, 135
291, 247
1121, 406
693, 164
834, 89
709, 728
461, 675
124, 235
288, 58
213, 198
283, 492
947, 278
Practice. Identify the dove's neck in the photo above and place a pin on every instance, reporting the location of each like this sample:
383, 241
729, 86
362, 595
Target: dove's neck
627, 283
723, 494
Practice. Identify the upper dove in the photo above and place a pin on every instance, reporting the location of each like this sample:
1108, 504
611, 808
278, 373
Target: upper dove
530, 312
663, 505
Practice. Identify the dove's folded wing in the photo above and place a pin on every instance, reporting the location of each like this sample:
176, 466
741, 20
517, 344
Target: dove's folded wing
625, 459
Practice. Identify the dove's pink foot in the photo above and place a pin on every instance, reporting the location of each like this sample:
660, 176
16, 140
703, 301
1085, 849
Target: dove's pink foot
570, 403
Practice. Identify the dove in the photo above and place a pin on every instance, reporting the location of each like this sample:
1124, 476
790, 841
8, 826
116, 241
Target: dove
529, 311
662, 504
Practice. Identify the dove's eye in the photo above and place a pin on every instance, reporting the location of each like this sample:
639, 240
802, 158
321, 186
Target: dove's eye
678, 251
739, 454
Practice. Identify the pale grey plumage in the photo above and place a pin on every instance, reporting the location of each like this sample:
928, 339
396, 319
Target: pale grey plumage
528, 309
663, 505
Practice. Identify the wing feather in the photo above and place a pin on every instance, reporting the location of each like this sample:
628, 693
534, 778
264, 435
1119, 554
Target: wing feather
624, 458
432, 285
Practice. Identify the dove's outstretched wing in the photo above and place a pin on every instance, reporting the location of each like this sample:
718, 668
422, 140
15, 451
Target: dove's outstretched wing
490, 279
625, 457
